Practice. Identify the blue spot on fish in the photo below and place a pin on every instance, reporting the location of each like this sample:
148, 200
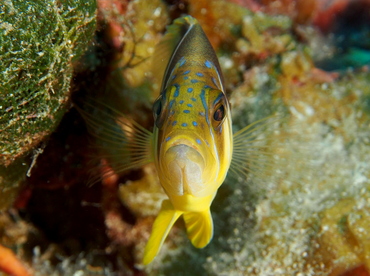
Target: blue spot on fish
186, 72
177, 91
189, 105
181, 102
186, 111
198, 141
204, 102
207, 86
190, 89
184, 124
194, 99
186, 77
182, 61
201, 114
171, 103
174, 123
174, 77
194, 123
199, 74
194, 81
208, 64
168, 138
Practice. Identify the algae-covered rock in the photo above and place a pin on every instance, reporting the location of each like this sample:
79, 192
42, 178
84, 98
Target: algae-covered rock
39, 40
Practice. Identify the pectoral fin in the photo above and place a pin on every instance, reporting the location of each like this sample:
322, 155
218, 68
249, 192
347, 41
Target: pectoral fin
199, 226
119, 140
161, 227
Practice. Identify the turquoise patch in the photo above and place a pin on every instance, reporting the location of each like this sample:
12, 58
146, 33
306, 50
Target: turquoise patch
182, 61
177, 91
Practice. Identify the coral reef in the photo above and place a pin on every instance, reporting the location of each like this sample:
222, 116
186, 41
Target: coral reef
304, 212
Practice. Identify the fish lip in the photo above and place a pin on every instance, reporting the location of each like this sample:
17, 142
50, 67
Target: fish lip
186, 138
184, 168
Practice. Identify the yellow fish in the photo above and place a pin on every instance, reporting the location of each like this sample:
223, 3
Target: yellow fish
193, 140
192, 144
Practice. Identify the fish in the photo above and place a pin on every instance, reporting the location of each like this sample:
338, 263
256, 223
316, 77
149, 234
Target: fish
193, 139
192, 143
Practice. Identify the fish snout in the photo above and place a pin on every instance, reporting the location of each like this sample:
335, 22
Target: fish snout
185, 166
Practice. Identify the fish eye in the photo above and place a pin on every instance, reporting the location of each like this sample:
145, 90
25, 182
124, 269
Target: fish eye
219, 113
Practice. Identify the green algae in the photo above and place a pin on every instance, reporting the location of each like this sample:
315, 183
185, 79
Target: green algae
39, 40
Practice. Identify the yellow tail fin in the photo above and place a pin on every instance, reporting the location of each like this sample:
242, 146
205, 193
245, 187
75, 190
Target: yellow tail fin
199, 226
161, 227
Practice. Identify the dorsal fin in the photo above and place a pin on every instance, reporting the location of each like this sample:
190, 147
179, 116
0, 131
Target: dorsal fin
165, 49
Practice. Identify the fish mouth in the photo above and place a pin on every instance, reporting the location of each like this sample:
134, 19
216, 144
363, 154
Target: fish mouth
185, 166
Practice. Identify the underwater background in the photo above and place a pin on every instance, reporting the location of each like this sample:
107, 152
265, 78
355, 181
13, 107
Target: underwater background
305, 212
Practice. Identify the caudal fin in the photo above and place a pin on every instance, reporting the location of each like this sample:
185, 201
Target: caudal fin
199, 226
161, 227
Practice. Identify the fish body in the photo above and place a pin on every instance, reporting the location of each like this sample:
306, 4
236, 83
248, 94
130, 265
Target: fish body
193, 136
193, 149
